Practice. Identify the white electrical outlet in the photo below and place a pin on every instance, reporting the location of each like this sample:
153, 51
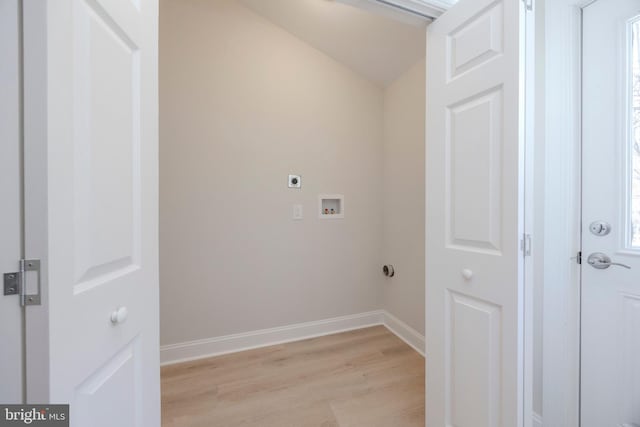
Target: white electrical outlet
297, 212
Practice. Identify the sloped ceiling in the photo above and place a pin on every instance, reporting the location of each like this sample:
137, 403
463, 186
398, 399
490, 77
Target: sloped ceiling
379, 45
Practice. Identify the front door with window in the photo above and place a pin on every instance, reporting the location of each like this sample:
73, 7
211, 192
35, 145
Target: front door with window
610, 370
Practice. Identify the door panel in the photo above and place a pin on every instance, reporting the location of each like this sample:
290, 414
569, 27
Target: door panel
474, 216
116, 382
610, 366
101, 242
474, 328
107, 213
11, 325
474, 147
629, 350
476, 42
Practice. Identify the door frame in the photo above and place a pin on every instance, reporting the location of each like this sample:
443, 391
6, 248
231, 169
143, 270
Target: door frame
560, 142
13, 369
35, 67
35, 205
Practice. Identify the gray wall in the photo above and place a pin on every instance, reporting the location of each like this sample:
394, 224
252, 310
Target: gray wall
403, 187
243, 104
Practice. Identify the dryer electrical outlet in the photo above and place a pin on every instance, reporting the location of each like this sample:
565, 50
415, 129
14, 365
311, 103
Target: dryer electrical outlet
295, 181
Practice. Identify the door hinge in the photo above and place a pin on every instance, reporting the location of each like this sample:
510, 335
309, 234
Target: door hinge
579, 258
16, 283
528, 4
525, 244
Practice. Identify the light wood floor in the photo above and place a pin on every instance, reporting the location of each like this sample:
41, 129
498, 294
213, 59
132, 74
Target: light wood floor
367, 378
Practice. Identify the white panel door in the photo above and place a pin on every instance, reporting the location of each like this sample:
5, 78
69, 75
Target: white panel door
10, 194
91, 96
474, 215
610, 368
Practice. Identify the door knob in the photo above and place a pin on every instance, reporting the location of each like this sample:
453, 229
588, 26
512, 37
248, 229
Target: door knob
119, 315
601, 261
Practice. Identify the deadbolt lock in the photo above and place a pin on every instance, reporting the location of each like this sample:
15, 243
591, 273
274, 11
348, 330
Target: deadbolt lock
600, 228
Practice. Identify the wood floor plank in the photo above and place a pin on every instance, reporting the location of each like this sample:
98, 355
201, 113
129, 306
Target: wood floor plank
367, 377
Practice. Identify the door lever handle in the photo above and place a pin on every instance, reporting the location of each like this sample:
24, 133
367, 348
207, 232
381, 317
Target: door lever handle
601, 261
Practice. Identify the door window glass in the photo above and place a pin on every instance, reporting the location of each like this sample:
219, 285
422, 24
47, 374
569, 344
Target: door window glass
635, 133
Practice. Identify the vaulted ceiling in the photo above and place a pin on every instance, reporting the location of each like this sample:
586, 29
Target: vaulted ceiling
379, 43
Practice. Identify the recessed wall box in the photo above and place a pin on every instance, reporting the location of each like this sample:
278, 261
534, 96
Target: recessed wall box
331, 206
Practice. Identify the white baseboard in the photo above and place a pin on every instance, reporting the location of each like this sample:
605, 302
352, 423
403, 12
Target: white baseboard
536, 420
405, 332
209, 347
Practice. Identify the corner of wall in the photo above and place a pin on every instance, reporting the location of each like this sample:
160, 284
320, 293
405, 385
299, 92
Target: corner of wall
404, 193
